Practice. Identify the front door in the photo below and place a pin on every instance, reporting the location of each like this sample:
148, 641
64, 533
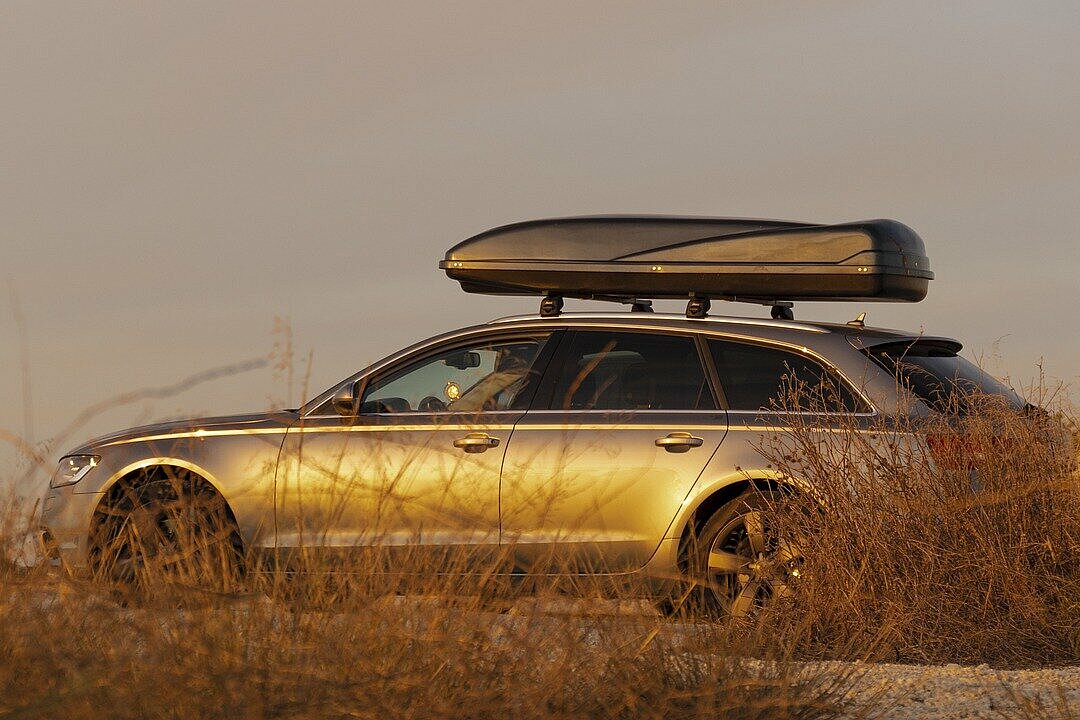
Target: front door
418, 467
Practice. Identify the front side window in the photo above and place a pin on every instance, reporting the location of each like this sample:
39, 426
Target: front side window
630, 371
758, 377
484, 377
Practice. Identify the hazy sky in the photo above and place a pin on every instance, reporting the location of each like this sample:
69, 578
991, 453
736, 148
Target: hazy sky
173, 177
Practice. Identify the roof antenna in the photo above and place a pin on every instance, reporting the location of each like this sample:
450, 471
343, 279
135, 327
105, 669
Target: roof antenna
859, 321
782, 310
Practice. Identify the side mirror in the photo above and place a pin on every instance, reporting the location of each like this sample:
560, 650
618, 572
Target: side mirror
347, 399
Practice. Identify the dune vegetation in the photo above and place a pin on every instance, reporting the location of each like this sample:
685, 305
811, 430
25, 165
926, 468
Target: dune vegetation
970, 554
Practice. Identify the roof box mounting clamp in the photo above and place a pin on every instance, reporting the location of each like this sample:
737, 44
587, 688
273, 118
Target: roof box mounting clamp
551, 306
782, 310
698, 307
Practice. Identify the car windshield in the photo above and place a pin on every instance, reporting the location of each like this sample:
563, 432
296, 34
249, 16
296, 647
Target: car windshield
939, 377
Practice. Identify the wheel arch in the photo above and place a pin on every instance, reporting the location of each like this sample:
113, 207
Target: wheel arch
722, 491
131, 476
140, 468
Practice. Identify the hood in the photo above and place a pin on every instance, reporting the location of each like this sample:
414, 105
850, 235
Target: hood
253, 420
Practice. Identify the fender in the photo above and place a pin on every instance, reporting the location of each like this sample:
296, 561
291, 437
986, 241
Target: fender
706, 489
155, 462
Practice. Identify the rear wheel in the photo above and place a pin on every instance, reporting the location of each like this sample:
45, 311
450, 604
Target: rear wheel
168, 532
740, 561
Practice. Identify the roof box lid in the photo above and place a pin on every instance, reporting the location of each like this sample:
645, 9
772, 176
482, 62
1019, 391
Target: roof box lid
616, 257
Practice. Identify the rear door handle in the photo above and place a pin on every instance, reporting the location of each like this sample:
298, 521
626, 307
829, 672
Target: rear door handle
476, 442
679, 442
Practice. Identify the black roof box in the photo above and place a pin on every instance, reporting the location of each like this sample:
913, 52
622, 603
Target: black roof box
631, 257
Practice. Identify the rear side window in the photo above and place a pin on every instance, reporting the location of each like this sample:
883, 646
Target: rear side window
630, 371
757, 377
939, 377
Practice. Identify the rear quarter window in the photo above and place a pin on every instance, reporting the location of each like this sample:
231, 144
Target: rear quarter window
938, 376
758, 377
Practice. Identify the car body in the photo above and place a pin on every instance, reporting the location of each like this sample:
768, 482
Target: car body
599, 441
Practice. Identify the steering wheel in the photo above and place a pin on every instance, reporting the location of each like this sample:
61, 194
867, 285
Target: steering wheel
431, 404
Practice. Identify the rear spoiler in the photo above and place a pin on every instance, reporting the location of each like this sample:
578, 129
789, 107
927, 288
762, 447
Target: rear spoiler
919, 346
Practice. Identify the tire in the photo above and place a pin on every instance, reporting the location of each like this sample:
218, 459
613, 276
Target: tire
739, 563
168, 533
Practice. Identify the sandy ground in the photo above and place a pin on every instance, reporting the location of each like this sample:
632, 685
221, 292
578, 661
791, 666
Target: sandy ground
902, 692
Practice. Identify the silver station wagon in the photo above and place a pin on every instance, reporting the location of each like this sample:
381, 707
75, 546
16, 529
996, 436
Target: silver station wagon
613, 443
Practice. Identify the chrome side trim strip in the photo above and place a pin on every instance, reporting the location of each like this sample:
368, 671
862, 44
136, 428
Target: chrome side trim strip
199, 434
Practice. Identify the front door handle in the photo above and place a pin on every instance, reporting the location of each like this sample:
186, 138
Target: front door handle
476, 442
679, 442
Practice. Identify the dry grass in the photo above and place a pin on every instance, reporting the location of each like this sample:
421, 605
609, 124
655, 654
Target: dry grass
974, 558
423, 645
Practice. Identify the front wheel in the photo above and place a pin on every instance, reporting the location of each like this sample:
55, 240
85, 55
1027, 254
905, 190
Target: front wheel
170, 532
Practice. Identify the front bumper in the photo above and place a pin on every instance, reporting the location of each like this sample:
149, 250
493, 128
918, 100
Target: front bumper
65, 528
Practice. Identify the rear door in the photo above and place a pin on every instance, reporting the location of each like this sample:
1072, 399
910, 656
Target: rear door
768, 389
623, 424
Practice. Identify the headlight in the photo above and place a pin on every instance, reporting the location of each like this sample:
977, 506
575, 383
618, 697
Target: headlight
73, 468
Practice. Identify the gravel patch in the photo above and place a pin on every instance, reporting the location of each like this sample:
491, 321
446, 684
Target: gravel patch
955, 692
